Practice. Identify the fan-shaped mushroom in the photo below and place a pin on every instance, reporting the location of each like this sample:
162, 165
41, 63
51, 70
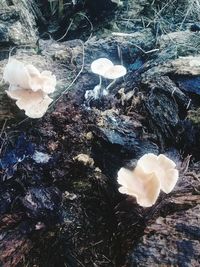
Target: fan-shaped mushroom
29, 87
151, 174
15, 73
28, 77
163, 167
144, 187
35, 104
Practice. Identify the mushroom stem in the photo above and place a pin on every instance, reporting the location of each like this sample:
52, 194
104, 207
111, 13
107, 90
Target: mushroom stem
100, 80
100, 88
110, 84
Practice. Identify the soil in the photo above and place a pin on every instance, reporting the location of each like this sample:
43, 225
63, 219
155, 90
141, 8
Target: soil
59, 198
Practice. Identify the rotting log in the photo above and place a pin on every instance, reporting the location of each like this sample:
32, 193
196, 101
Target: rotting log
14, 246
96, 224
172, 240
14, 243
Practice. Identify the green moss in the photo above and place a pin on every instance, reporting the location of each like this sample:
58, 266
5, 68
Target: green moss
194, 116
82, 185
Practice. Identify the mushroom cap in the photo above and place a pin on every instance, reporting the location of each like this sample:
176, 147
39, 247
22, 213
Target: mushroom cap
164, 169
48, 82
143, 186
43, 82
35, 104
16, 73
28, 77
32, 70
115, 72
107, 69
101, 65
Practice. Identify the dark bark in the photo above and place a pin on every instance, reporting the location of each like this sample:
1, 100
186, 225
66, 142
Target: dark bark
65, 211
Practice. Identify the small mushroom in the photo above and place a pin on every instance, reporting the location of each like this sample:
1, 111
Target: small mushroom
144, 187
115, 72
35, 104
104, 68
164, 169
101, 65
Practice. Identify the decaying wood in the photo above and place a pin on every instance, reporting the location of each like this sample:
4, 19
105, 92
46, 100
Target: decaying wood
172, 240
14, 244
63, 211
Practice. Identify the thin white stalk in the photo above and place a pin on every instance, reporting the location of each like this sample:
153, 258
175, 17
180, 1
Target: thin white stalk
110, 84
100, 80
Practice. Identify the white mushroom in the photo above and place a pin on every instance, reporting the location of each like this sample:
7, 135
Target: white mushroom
32, 70
151, 174
44, 81
105, 68
29, 87
101, 65
163, 167
35, 104
28, 77
144, 187
115, 72
15, 73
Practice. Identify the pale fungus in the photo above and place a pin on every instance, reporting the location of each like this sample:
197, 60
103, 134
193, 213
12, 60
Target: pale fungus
151, 174
115, 72
101, 65
28, 77
144, 187
15, 73
35, 104
29, 87
106, 69
163, 167
44, 81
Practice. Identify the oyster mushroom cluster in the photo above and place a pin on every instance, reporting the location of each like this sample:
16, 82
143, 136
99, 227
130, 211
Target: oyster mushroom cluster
29, 87
151, 175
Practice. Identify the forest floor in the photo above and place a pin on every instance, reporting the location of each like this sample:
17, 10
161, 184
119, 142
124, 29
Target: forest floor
59, 199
